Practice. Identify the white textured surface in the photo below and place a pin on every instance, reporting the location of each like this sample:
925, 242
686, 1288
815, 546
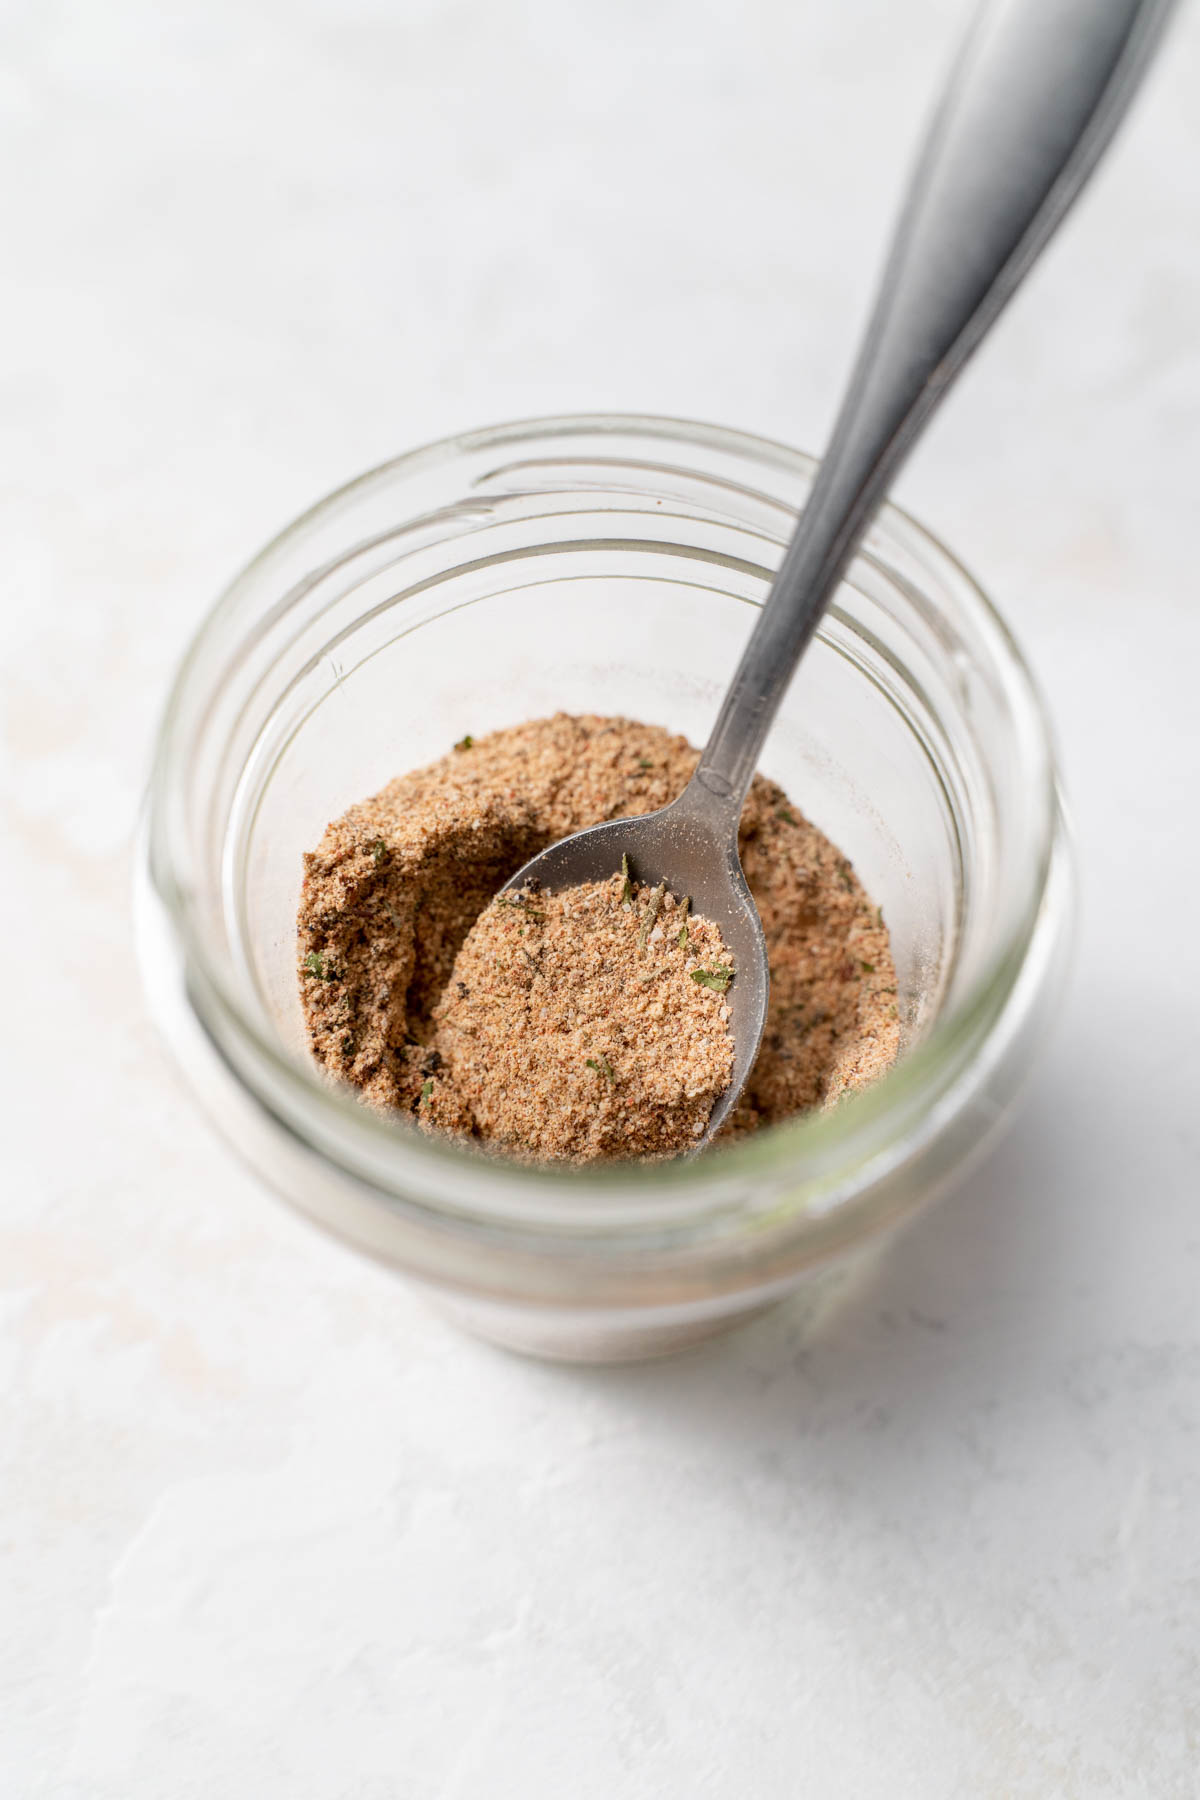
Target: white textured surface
268, 1529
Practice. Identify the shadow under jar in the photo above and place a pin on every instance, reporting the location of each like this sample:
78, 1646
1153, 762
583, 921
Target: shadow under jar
607, 565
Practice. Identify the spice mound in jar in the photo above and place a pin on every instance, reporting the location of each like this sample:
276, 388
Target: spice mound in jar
589, 1024
398, 881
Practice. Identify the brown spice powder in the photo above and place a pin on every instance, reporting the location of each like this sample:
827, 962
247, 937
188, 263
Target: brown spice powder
578, 1026
398, 881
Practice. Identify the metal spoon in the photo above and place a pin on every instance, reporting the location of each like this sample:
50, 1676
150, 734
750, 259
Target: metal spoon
1037, 92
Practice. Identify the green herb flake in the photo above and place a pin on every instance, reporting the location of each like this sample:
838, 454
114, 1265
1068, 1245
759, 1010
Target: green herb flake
465, 743
426, 1091
644, 762
314, 964
651, 913
603, 1067
379, 851
523, 904
627, 882
866, 967
716, 979
682, 939
781, 812
845, 877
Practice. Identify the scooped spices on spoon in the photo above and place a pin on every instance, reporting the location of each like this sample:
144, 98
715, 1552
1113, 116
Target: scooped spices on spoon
588, 1024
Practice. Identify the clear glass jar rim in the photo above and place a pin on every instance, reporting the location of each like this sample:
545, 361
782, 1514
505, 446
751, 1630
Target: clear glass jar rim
835, 1148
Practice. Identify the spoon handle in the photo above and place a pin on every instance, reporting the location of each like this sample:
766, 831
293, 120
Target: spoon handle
1037, 92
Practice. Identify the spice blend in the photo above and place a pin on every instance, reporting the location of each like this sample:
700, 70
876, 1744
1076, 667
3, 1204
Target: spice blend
396, 884
589, 1024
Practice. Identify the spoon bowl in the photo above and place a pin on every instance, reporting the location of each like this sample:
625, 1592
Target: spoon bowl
697, 857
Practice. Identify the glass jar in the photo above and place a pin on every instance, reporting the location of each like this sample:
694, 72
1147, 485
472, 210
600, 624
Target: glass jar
608, 565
